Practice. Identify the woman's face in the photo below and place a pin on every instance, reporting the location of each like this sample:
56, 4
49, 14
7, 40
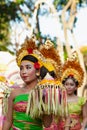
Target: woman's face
27, 71
70, 86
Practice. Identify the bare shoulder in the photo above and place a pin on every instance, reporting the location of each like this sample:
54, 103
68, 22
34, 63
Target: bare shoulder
15, 92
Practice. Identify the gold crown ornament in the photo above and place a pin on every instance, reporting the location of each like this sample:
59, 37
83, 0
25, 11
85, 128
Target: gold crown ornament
29, 48
52, 55
73, 68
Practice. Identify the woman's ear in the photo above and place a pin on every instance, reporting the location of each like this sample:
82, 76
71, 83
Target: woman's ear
38, 75
37, 72
75, 88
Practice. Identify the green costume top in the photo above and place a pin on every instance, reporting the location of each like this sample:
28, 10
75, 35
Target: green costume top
22, 121
76, 107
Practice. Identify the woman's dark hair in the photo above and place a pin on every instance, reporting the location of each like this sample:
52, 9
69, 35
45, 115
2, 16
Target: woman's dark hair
30, 58
44, 71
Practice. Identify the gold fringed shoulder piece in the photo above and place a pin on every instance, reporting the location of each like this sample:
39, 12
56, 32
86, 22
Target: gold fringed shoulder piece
49, 97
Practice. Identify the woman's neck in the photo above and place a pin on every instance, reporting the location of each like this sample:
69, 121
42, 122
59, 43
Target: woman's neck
31, 85
71, 96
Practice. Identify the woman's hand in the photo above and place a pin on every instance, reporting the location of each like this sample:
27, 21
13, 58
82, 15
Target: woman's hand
47, 120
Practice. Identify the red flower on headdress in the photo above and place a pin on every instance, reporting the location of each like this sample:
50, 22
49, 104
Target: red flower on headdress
71, 75
30, 50
36, 65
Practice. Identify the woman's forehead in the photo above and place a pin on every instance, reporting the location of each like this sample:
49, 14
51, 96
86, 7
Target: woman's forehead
69, 80
26, 62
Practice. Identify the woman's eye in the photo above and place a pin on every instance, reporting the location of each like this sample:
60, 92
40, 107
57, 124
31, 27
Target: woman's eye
72, 84
28, 67
66, 84
21, 68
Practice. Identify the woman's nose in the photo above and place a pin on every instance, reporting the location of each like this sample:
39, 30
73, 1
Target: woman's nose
68, 86
24, 71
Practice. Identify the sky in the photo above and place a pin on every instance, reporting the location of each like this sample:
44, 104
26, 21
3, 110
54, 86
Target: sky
50, 25
81, 27
54, 28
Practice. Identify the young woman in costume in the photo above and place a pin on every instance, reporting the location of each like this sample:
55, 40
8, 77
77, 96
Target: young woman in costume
58, 92
29, 61
72, 78
52, 95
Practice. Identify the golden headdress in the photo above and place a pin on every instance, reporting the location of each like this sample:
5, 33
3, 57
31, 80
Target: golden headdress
29, 48
73, 68
52, 55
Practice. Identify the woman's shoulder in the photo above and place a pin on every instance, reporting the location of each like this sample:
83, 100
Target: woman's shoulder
82, 100
15, 92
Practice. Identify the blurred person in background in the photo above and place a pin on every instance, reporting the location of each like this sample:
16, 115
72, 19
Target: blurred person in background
72, 78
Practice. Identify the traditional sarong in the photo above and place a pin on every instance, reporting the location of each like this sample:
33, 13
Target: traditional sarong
75, 123
22, 121
52, 127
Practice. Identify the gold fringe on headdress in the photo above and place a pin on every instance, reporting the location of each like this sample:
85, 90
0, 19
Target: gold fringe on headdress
48, 97
52, 55
73, 68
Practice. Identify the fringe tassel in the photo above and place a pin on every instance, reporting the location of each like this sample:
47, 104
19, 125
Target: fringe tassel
65, 103
47, 99
53, 101
29, 102
62, 103
56, 100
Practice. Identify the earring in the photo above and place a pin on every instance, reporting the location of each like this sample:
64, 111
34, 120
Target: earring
38, 75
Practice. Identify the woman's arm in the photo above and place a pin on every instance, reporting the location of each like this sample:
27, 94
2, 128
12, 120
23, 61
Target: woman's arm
8, 119
47, 120
84, 112
67, 123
